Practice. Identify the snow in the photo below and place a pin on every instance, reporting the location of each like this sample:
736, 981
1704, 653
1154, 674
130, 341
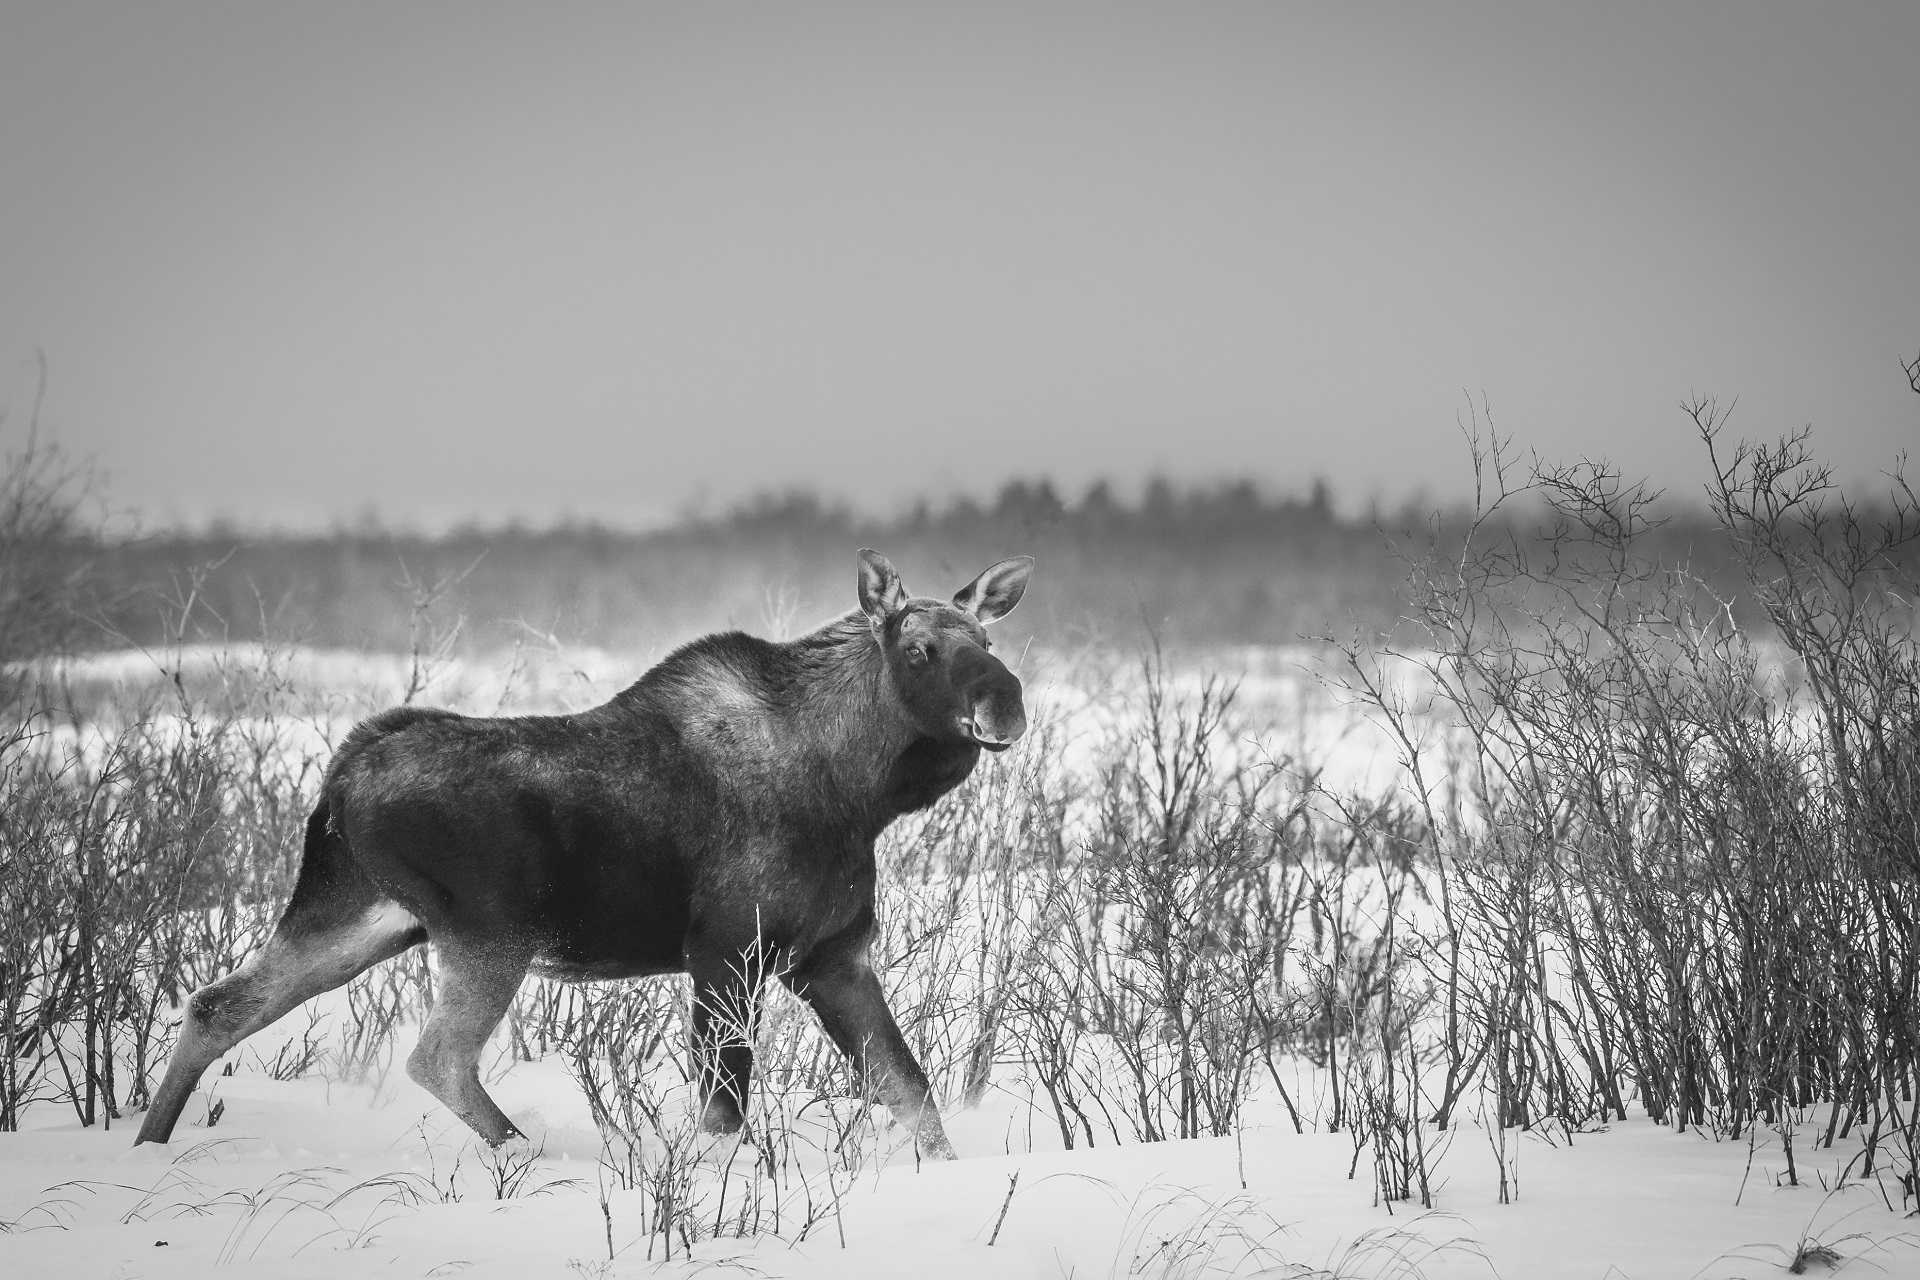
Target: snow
327, 1175
321, 1177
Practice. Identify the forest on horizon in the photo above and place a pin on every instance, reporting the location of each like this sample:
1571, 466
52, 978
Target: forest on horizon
1198, 567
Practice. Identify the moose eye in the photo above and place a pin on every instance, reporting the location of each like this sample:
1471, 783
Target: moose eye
917, 653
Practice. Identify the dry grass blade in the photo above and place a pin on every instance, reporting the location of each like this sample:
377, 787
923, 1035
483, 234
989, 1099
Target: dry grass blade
1393, 1253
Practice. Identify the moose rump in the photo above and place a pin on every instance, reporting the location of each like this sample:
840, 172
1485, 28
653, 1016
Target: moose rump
718, 817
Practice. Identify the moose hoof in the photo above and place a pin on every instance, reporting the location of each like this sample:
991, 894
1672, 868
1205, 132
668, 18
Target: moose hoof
720, 1119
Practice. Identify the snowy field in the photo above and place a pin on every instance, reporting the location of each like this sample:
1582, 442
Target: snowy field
310, 1153
315, 1177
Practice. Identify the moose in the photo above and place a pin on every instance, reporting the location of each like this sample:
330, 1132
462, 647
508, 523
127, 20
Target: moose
717, 818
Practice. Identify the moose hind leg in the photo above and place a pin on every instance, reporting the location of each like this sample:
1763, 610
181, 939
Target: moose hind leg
476, 986
297, 963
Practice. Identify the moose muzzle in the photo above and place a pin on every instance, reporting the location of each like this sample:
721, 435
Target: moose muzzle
996, 716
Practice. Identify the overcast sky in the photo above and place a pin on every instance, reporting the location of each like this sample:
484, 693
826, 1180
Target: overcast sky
290, 264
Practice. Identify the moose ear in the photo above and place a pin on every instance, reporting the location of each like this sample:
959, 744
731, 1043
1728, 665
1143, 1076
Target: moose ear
881, 591
992, 595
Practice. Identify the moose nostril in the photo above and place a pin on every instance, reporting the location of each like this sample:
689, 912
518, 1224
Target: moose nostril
1003, 724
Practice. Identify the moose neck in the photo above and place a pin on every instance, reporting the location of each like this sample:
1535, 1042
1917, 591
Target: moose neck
879, 761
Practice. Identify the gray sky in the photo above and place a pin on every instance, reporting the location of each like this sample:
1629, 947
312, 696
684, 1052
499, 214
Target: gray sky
291, 263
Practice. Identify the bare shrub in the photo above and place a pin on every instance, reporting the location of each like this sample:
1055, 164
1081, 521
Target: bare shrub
45, 529
1679, 867
145, 855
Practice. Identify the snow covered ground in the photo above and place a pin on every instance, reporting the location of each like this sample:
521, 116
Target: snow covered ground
332, 1175
318, 1177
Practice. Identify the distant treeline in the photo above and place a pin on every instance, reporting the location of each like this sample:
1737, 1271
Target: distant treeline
1203, 566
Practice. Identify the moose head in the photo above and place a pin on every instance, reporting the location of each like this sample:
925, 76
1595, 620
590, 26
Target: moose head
938, 655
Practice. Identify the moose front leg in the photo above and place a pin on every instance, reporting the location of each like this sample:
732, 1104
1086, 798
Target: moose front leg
846, 995
726, 1010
